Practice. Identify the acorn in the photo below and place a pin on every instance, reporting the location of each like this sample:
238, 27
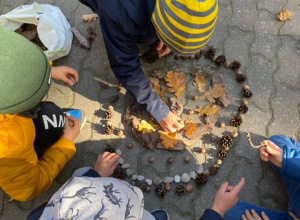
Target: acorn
148, 189
129, 146
172, 99
202, 150
206, 173
234, 134
195, 98
227, 64
177, 57
213, 138
110, 108
190, 112
189, 188
151, 160
168, 187
170, 160
120, 133
219, 162
246, 87
119, 88
222, 124
186, 159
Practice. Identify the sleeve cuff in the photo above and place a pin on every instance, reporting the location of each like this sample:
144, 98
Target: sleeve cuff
91, 173
210, 214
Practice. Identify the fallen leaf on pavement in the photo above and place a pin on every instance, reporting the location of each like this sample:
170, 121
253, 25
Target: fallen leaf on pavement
174, 82
168, 139
223, 99
145, 127
284, 15
199, 82
189, 127
213, 93
208, 110
89, 18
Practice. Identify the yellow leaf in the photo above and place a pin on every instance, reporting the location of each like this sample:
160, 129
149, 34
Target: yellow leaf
208, 110
174, 82
145, 127
89, 18
199, 82
168, 139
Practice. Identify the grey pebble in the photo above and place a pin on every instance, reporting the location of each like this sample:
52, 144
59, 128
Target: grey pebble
129, 172
177, 179
119, 152
168, 179
125, 166
199, 169
134, 177
157, 181
140, 178
193, 175
121, 160
148, 181
185, 178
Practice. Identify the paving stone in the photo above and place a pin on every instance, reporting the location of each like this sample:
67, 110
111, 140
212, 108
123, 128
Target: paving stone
273, 7
290, 27
61, 95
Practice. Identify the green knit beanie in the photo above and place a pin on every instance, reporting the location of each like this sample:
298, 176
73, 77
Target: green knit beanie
24, 73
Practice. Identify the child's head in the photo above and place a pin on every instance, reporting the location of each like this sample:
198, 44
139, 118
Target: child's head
24, 73
185, 26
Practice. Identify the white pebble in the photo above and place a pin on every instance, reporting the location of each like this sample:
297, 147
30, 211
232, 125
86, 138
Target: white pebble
193, 174
125, 166
119, 152
121, 160
148, 181
140, 178
134, 177
177, 179
129, 172
185, 178
199, 169
168, 179
157, 181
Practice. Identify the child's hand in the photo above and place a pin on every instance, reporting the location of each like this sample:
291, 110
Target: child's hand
106, 163
72, 128
227, 197
254, 216
171, 123
271, 152
162, 49
65, 74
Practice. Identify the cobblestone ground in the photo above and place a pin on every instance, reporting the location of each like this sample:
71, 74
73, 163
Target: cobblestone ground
246, 30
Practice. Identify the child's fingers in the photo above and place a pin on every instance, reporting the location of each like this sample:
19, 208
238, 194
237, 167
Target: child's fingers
264, 216
254, 214
239, 186
223, 187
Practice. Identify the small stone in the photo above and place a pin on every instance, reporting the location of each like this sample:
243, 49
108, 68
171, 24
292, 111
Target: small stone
108, 123
134, 177
170, 160
234, 134
219, 162
110, 108
189, 188
120, 133
140, 178
148, 181
222, 125
202, 150
177, 179
246, 87
157, 181
121, 160
168, 187
242, 116
199, 169
185, 178
245, 102
151, 160
186, 159
125, 166
168, 179
108, 143
119, 152
129, 172
206, 173
195, 98
193, 175
129, 146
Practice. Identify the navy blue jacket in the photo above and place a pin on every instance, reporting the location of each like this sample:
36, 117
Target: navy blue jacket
125, 24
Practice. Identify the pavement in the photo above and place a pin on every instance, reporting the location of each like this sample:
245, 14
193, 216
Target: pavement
248, 31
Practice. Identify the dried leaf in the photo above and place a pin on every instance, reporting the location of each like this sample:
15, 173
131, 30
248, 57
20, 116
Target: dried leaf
208, 110
211, 120
201, 130
284, 15
224, 100
199, 82
160, 92
189, 127
145, 127
143, 139
154, 125
89, 18
174, 82
30, 32
213, 93
168, 139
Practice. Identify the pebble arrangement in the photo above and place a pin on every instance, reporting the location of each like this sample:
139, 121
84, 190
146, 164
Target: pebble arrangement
199, 175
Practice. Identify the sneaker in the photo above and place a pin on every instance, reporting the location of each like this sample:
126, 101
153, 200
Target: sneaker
160, 214
79, 114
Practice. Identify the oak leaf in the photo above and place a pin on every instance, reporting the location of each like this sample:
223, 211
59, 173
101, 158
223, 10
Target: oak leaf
145, 127
284, 15
168, 139
174, 82
199, 82
189, 127
222, 100
89, 18
160, 92
201, 130
208, 110
213, 93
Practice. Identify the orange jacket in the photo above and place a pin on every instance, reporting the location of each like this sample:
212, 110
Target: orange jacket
22, 175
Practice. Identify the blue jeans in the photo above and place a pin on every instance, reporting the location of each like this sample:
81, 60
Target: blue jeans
292, 187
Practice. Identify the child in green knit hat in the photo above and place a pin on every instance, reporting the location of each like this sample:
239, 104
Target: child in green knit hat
36, 138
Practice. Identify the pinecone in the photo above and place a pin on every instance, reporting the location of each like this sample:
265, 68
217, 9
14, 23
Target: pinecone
222, 154
201, 179
226, 141
177, 57
235, 65
220, 60
179, 190
119, 173
143, 186
199, 54
236, 121
177, 108
240, 78
247, 93
243, 108
160, 191
109, 149
151, 58
108, 115
108, 129
210, 53
214, 169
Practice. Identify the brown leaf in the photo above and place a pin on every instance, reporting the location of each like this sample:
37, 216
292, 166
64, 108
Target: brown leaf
284, 15
208, 110
201, 130
224, 100
30, 32
160, 92
89, 18
213, 93
174, 82
168, 139
143, 139
211, 120
199, 82
189, 127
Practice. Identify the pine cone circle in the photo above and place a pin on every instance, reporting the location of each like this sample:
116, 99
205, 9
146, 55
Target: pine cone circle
236, 121
198, 55
220, 60
143, 186
108, 129
243, 109
210, 53
240, 78
226, 141
179, 190
160, 191
177, 108
222, 154
201, 179
108, 115
235, 65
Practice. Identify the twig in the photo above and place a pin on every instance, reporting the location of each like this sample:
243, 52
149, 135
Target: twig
81, 39
250, 142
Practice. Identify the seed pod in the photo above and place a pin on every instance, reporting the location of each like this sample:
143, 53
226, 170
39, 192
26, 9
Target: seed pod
108, 143
190, 112
119, 88
202, 150
206, 173
246, 87
213, 138
227, 64
219, 162
129, 146
170, 160
168, 187
108, 123
151, 160
186, 159
234, 134
195, 98
189, 188
120, 133
172, 99
148, 189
